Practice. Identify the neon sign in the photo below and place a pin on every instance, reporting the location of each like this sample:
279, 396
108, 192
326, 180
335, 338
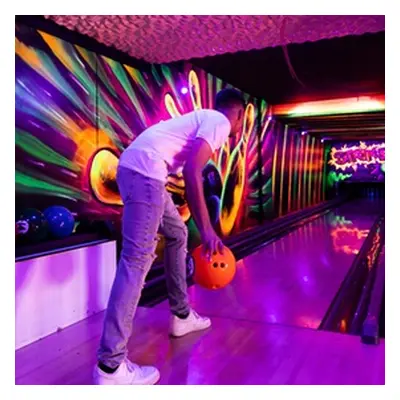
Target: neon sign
358, 155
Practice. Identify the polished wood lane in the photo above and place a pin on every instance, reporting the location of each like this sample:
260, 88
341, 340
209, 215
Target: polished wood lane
231, 352
293, 280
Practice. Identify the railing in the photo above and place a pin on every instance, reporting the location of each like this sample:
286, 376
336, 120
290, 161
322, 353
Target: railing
372, 264
374, 322
348, 307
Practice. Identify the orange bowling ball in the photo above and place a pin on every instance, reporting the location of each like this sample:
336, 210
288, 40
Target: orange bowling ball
214, 274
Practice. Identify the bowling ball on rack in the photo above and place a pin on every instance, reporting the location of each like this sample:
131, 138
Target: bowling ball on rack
215, 273
21, 228
31, 225
60, 220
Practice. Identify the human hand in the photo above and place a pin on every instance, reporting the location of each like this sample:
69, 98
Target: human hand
211, 243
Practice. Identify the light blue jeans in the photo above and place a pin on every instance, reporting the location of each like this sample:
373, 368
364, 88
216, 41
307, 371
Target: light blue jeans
148, 208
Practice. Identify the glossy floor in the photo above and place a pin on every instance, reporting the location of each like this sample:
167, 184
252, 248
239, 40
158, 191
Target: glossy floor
263, 324
293, 281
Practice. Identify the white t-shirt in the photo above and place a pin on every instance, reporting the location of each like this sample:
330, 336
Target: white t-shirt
163, 148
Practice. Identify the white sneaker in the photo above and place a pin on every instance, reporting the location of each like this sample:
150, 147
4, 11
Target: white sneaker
127, 373
180, 327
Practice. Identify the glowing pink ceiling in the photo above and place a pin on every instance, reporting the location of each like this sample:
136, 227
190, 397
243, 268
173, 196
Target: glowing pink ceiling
166, 38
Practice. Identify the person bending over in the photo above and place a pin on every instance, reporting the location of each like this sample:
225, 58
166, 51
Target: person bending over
183, 144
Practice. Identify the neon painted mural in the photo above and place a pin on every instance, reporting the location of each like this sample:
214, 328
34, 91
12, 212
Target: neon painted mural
298, 175
76, 111
357, 161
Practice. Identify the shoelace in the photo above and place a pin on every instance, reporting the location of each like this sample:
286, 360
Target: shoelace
196, 315
131, 366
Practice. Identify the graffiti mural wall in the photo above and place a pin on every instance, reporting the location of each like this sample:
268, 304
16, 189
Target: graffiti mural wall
76, 111
297, 171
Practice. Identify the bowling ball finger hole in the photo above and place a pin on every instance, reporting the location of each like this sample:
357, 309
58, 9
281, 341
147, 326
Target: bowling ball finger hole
223, 265
215, 265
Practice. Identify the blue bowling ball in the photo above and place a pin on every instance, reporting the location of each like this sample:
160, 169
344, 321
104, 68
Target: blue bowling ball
60, 221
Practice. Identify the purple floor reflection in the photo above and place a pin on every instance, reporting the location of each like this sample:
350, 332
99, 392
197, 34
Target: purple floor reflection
293, 280
290, 282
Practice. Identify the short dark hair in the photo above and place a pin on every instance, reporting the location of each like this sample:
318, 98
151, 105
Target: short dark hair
228, 98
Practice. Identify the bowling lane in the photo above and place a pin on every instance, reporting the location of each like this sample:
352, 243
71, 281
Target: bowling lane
293, 280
